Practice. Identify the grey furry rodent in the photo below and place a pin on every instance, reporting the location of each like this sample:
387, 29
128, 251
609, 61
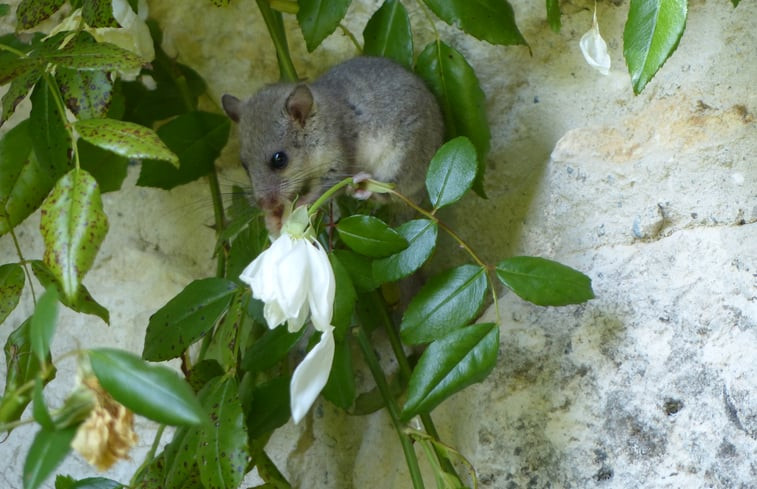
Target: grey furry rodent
366, 115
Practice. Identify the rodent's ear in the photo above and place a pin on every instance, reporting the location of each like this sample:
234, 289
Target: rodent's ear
231, 106
300, 103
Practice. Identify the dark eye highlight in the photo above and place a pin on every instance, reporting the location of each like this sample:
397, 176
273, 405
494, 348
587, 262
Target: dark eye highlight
278, 161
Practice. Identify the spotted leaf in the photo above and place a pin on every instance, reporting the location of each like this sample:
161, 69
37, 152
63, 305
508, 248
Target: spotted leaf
125, 138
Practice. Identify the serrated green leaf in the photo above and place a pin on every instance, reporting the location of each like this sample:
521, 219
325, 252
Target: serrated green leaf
82, 301
22, 367
197, 138
125, 138
344, 299
269, 406
11, 285
388, 34
73, 226
83, 54
31, 12
44, 322
18, 89
450, 364
447, 302
456, 87
319, 18
47, 451
340, 388
108, 168
152, 391
269, 349
544, 282
50, 139
224, 345
39, 409
23, 184
651, 34
451, 172
553, 14
421, 235
370, 236
222, 455
488, 20
186, 317
86, 93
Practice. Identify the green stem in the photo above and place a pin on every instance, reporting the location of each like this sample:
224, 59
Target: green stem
406, 372
220, 220
23, 263
55, 92
150, 455
351, 37
15, 51
391, 407
328, 194
275, 26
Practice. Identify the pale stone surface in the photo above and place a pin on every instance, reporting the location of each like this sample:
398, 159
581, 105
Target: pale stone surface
653, 384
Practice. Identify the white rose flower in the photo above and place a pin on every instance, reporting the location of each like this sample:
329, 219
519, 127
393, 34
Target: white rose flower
294, 279
594, 48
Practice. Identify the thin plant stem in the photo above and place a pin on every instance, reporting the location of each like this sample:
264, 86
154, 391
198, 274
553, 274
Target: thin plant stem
24, 263
220, 220
275, 25
351, 37
327, 195
149, 456
391, 407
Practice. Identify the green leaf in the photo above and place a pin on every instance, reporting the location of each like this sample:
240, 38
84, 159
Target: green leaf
553, 14
544, 282
4, 9
47, 451
451, 172
125, 138
388, 34
98, 13
453, 81
269, 349
370, 236
180, 465
224, 344
421, 235
92, 483
319, 18
18, 89
11, 285
44, 322
83, 54
450, 364
269, 407
247, 245
39, 409
186, 317
197, 138
73, 226
652, 33
340, 388
360, 269
22, 367
86, 93
447, 302
23, 184
222, 455
152, 391
735, 2
31, 12
50, 138
108, 168
82, 301
488, 20
344, 299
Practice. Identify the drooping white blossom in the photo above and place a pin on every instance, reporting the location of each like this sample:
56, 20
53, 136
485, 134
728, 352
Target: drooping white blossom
594, 48
295, 281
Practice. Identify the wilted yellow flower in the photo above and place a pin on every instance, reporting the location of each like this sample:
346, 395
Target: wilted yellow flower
107, 434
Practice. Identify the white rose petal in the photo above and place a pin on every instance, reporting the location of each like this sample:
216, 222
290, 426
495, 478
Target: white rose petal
594, 48
311, 375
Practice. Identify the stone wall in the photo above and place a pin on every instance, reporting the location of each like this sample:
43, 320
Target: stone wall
652, 384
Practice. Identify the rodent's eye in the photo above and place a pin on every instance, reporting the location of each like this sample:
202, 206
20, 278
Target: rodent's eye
279, 160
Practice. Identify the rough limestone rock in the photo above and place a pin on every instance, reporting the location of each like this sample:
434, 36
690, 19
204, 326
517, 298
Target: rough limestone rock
652, 384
